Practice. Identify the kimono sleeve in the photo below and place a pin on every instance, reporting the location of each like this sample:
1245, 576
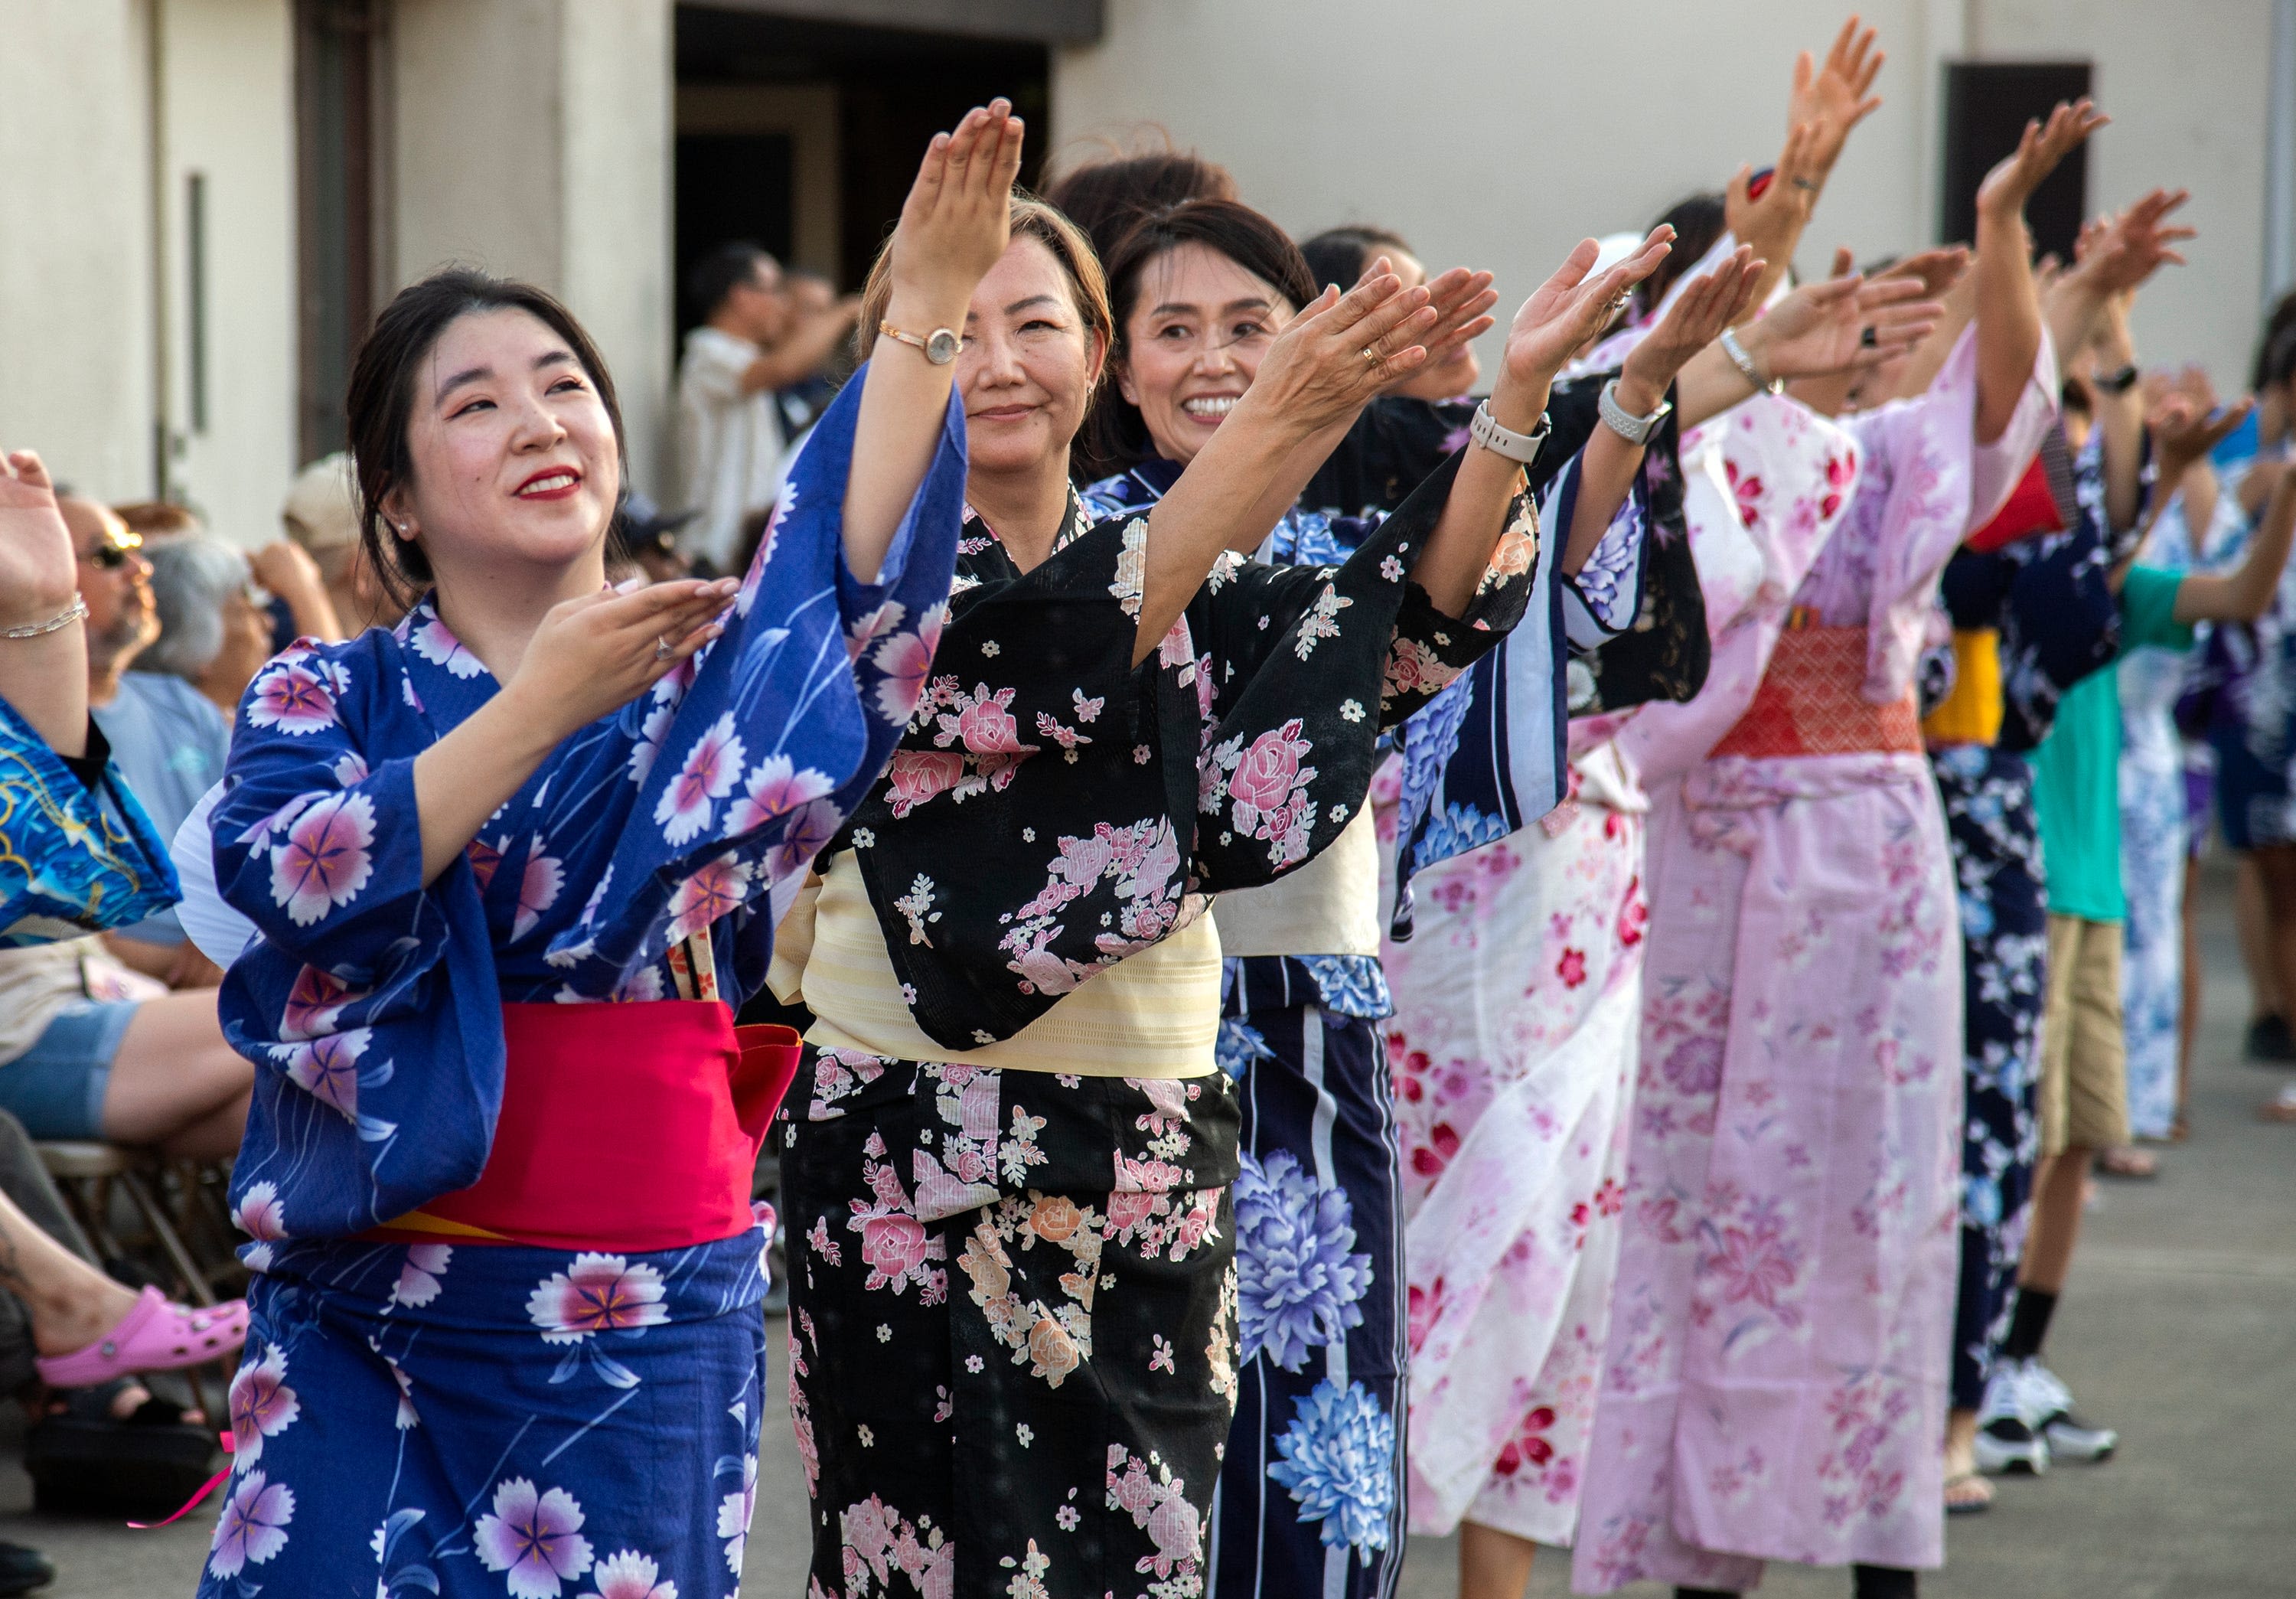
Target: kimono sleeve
764, 750
317, 839
76, 857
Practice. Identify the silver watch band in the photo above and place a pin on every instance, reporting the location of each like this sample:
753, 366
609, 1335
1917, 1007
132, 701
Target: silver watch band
1635, 430
1744, 363
1484, 430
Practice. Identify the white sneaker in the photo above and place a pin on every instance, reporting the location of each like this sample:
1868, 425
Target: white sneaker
2046, 1405
2005, 1442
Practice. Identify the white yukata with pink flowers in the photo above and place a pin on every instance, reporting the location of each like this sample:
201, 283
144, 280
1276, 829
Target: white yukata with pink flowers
1774, 1379
454, 1415
1518, 1009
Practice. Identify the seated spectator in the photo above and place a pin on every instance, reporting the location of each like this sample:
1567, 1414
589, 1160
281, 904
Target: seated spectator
89, 1048
167, 740
751, 344
321, 517
213, 634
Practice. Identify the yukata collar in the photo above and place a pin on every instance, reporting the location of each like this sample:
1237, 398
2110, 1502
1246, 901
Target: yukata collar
1074, 524
1156, 475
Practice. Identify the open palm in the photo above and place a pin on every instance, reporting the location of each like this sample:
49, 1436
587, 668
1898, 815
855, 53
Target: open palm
39, 575
1821, 328
1571, 308
1833, 99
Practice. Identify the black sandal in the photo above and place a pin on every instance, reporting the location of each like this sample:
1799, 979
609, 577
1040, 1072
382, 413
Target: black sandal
83, 1460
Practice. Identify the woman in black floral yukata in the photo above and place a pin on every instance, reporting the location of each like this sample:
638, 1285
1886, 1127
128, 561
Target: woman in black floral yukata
1007, 1157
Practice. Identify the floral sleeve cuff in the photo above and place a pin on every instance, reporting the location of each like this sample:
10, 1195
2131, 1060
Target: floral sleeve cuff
1430, 648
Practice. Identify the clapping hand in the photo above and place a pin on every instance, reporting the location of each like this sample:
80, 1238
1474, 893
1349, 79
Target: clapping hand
2186, 423
38, 573
1706, 305
1339, 350
1564, 313
1463, 300
1937, 271
2121, 251
1843, 324
2002, 196
957, 218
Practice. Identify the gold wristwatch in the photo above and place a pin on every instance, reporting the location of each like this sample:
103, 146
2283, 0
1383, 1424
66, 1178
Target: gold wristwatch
940, 345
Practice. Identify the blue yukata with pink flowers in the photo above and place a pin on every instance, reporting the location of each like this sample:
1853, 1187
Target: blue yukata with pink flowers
465, 1418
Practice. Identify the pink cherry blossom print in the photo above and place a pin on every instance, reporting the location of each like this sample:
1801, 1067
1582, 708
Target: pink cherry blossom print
323, 861
597, 1293
262, 1406
804, 835
717, 890
538, 891
906, 659
535, 1538
917, 775
735, 1513
327, 1068
259, 1215
315, 1004
1263, 779
294, 698
867, 629
418, 1278
436, 642
253, 1526
711, 768
777, 785
628, 1575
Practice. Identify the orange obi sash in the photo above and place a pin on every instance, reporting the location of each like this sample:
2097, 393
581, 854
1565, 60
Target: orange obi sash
624, 1128
1810, 703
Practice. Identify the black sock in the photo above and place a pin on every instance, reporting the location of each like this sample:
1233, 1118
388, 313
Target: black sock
2029, 1324
1881, 1582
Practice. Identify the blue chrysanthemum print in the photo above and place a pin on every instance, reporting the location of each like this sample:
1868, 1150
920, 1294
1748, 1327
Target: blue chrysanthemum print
1239, 1045
1298, 1278
1339, 1464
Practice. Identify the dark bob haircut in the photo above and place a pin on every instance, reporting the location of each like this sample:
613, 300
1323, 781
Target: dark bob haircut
1106, 197
381, 398
1116, 439
1339, 255
1697, 222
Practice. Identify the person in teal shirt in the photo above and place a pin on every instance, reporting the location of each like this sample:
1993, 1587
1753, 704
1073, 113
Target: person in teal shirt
2083, 1091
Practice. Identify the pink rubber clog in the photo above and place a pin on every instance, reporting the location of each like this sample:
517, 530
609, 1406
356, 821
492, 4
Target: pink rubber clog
156, 1335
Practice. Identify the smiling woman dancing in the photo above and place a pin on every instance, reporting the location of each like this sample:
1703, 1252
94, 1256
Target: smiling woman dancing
507, 1275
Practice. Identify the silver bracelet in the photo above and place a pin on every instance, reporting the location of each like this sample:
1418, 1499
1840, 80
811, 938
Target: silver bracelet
55, 624
1484, 430
1744, 363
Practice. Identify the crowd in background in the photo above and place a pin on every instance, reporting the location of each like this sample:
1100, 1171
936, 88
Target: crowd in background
2080, 776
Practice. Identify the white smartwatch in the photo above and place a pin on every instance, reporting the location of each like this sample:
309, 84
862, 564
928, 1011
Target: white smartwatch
1520, 447
1635, 430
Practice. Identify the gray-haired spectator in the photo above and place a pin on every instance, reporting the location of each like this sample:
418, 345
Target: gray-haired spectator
213, 633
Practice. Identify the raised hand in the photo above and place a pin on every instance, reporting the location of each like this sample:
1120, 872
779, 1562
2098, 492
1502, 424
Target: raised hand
2186, 423
2124, 251
1705, 307
1937, 271
595, 654
1778, 213
1568, 309
1843, 325
1463, 300
1833, 99
1337, 352
957, 218
2002, 196
39, 575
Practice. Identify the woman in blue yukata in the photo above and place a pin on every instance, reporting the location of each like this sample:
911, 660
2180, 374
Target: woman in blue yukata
1311, 1489
506, 1333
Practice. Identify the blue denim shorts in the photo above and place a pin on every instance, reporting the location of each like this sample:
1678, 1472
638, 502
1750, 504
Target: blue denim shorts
57, 1087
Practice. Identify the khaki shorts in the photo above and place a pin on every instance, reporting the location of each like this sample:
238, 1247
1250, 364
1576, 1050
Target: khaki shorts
2084, 1091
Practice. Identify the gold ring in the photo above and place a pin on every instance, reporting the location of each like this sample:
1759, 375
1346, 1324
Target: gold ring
1369, 353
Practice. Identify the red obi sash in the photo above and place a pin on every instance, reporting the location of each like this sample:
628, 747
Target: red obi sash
1811, 702
624, 1128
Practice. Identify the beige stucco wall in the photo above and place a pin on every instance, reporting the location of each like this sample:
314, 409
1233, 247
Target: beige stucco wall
75, 290
533, 140
1500, 132
228, 113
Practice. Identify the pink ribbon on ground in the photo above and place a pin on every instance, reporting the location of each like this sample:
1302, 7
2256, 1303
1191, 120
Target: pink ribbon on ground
194, 1502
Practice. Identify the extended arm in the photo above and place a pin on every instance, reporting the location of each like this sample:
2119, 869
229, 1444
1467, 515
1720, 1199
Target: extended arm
44, 677
954, 227
801, 355
2008, 310
2246, 592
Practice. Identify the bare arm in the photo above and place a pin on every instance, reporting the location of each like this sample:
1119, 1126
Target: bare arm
2121, 420
42, 678
2246, 592
287, 569
801, 355
954, 226
1818, 332
2008, 308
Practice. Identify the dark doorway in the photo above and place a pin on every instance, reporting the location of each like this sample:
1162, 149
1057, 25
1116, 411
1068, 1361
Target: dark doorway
803, 136
1987, 105
337, 56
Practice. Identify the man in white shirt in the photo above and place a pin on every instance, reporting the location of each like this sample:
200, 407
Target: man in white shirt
750, 343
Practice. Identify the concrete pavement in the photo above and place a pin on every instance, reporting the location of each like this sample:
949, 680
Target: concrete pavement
2178, 1328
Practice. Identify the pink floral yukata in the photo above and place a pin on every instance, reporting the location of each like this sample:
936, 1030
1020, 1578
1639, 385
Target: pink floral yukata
1772, 1382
